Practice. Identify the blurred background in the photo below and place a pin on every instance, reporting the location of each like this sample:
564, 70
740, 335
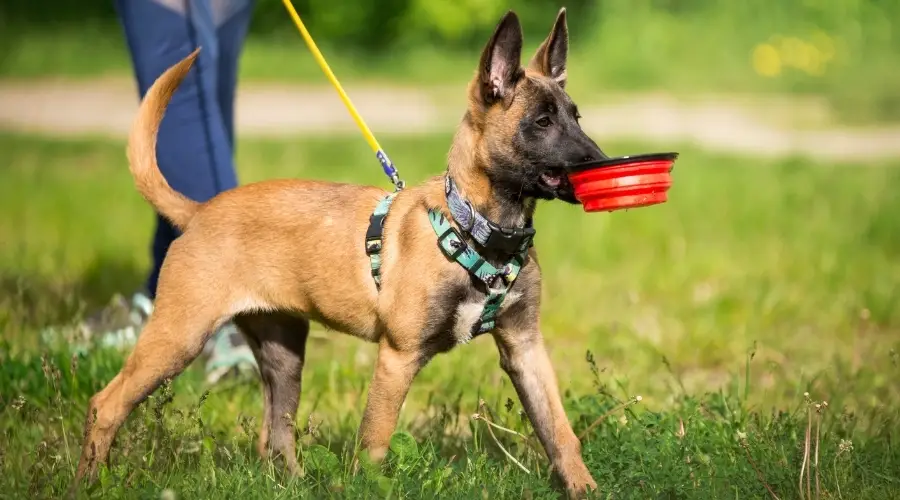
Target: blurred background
840, 53
771, 77
779, 242
770, 228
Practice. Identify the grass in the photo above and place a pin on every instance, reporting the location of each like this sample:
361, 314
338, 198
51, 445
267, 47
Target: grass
759, 281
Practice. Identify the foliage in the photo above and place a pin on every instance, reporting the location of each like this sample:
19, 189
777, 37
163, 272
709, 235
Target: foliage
177, 445
760, 280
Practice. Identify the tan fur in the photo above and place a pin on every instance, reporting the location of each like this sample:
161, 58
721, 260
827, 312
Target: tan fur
276, 254
141, 151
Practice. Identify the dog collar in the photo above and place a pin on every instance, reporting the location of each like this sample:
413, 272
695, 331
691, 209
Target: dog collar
483, 230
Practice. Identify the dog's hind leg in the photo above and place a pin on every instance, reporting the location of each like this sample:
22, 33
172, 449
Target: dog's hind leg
173, 337
279, 343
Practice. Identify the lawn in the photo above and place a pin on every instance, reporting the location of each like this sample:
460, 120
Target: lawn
759, 281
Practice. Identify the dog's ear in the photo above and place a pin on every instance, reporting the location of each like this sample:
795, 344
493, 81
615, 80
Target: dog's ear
550, 58
500, 67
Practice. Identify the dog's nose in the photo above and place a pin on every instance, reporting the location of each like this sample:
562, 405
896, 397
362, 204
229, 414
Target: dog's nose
586, 150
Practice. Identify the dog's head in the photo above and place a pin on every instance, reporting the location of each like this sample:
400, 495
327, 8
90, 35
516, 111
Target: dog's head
524, 123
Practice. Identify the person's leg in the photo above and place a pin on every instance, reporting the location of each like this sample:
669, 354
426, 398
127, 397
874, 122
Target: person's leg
232, 18
194, 147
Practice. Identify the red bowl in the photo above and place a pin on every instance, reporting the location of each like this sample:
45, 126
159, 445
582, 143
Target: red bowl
622, 182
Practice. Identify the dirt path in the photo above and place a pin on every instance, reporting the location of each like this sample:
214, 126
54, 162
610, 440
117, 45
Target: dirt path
772, 127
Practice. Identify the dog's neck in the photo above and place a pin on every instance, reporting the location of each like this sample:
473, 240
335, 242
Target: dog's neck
502, 227
467, 169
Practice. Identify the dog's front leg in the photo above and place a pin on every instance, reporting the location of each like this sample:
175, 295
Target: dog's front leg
395, 370
524, 358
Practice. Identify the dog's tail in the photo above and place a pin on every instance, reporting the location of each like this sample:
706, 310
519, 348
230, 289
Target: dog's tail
141, 150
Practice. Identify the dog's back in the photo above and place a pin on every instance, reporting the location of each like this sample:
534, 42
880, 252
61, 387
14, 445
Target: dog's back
283, 244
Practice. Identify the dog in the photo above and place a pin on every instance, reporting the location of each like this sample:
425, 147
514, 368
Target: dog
417, 271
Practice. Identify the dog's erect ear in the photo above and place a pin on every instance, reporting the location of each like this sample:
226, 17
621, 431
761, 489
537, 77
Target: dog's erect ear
500, 65
550, 58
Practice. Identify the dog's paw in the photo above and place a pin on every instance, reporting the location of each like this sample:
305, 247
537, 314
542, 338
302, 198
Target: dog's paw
580, 487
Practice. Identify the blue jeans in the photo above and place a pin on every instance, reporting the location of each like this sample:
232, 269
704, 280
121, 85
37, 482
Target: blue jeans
196, 138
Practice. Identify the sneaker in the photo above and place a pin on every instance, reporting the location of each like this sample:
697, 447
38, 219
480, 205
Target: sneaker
228, 352
119, 323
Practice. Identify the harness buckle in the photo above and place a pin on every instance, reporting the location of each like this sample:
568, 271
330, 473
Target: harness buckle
459, 243
509, 240
374, 234
500, 281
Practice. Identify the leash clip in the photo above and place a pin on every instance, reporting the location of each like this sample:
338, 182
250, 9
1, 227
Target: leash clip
390, 170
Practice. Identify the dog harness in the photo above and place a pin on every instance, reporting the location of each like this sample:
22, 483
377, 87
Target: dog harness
452, 244
374, 234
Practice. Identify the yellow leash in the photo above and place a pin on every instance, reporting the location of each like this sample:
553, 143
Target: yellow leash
386, 164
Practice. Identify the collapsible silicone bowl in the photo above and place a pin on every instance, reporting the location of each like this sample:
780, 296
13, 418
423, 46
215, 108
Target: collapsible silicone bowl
622, 182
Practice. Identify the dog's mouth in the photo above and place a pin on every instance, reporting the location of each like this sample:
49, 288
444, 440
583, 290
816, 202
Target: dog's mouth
555, 183
553, 178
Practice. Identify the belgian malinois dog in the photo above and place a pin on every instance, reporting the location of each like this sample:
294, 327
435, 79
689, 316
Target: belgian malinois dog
454, 259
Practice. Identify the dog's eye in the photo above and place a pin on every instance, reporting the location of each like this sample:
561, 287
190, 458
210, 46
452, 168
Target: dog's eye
544, 122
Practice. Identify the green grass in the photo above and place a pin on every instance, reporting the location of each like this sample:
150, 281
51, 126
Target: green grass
758, 281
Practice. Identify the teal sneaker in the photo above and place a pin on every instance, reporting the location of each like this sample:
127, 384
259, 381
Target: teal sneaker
228, 352
119, 324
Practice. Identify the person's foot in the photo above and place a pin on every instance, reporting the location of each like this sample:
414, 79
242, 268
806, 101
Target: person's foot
228, 352
119, 324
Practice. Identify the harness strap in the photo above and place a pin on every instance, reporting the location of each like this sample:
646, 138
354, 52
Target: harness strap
374, 236
497, 281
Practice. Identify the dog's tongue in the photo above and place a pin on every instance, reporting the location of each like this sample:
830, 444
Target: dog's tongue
550, 179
